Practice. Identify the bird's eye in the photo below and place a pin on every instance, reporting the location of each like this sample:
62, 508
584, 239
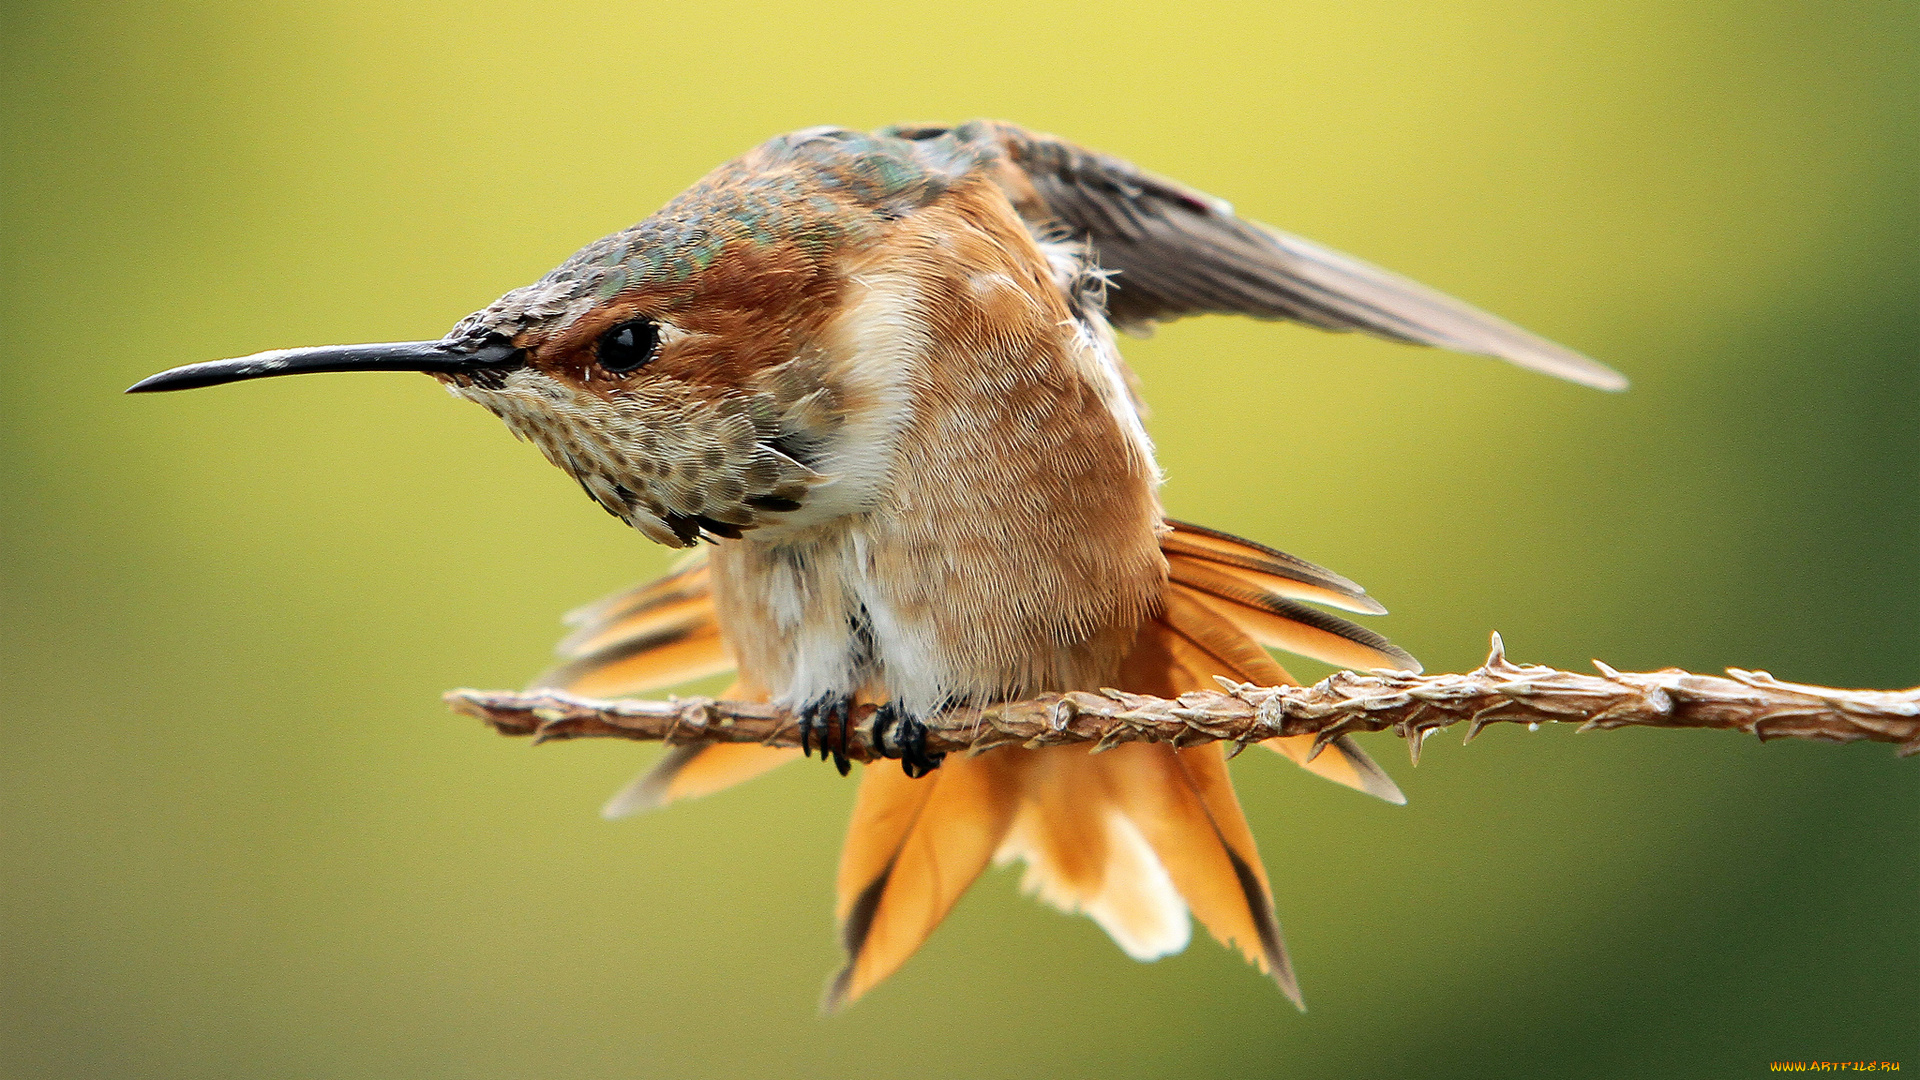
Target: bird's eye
627, 348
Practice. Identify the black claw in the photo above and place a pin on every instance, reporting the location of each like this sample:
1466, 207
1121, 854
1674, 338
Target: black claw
841, 709
884, 718
915, 761
818, 723
908, 741
810, 725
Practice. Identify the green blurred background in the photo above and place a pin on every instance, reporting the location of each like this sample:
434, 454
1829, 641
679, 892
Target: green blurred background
242, 839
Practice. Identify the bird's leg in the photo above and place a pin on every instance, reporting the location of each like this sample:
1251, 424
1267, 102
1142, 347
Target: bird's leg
896, 733
826, 722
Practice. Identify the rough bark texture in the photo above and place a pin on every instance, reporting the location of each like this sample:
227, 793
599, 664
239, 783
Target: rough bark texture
1413, 706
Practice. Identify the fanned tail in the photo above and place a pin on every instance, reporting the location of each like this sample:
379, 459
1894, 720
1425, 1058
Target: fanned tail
664, 633
661, 634
688, 772
1213, 630
1259, 590
1140, 835
1137, 838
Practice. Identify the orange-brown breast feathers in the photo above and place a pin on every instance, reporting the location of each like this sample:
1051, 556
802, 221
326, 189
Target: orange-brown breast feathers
1017, 418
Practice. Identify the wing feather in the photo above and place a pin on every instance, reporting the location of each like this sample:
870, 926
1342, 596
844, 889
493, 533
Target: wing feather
1176, 252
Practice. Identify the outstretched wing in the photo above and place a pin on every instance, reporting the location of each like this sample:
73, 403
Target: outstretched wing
1175, 251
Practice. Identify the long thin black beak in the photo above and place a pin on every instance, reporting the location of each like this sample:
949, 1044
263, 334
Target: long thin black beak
391, 356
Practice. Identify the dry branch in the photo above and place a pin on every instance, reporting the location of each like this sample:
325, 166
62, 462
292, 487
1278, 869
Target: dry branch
1413, 706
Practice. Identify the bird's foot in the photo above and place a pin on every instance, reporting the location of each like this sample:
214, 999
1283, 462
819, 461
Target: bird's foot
824, 723
897, 734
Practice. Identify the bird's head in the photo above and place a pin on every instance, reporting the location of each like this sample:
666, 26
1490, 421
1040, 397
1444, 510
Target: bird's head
684, 371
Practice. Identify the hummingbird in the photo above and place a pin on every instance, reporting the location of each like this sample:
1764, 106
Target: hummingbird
874, 377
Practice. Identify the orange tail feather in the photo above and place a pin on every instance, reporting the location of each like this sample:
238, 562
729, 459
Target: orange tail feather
1135, 838
912, 848
688, 772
